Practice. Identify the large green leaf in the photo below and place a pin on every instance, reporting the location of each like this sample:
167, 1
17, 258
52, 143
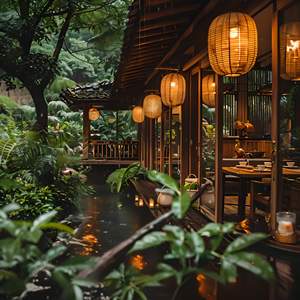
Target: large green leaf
228, 271
253, 263
43, 219
150, 240
245, 241
58, 226
181, 204
164, 180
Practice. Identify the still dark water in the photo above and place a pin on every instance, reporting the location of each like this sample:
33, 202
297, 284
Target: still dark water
110, 218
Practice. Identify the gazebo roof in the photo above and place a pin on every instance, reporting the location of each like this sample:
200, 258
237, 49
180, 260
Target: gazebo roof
93, 94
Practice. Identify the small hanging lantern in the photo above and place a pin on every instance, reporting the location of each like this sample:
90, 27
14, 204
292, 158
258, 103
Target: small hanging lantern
138, 114
290, 51
209, 90
152, 106
232, 44
172, 89
94, 114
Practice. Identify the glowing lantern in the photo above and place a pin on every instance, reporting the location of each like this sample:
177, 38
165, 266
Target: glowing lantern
152, 106
94, 114
172, 89
290, 51
232, 44
138, 114
209, 90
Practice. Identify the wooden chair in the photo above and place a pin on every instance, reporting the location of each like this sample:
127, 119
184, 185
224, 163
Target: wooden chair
260, 196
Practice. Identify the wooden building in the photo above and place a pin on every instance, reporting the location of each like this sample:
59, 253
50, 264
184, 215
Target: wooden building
251, 117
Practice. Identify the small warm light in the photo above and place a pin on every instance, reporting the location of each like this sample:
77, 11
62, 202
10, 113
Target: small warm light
151, 203
90, 238
206, 287
152, 106
141, 202
286, 223
136, 198
94, 114
173, 89
138, 262
294, 45
234, 32
290, 51
138, 114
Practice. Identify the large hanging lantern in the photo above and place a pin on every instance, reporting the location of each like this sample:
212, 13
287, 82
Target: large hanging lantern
209, 90
152, 106
94, 114
172, 89
232, 44
290, 51
138, 114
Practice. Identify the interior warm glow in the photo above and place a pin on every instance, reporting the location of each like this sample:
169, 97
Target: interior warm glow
173, 84
294, 45
234, 32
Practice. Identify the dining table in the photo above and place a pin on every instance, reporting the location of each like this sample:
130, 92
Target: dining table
246, 174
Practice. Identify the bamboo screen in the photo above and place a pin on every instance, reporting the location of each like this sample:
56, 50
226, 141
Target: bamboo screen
260, 101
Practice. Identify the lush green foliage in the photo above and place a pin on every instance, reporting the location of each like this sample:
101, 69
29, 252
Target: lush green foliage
31, 169
115, 126
120, 178
22, 259
78, 39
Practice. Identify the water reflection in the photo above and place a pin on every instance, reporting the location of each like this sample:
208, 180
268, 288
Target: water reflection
138, 262
206, 287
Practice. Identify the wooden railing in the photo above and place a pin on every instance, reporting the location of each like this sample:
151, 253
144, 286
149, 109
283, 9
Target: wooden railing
105, 150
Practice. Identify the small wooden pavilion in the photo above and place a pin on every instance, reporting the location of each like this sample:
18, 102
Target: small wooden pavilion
92, 99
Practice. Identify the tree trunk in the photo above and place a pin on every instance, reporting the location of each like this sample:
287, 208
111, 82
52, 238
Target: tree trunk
41, 107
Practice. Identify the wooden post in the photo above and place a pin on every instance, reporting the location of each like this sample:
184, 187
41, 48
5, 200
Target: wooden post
162, 142
219, 205
185, 139
86, 133
170, 171
276, 156
199, 132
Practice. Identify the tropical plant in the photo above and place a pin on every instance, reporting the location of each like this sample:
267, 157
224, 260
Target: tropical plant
121, 178
22, 258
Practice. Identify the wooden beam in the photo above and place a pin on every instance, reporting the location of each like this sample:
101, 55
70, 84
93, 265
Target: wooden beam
207, 9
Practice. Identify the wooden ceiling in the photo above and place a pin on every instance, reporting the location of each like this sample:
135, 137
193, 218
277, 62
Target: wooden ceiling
152, 29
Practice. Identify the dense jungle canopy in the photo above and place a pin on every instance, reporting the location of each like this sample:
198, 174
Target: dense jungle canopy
51, 44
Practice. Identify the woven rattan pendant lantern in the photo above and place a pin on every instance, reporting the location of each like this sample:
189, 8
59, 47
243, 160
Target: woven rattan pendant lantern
94, 114
232, 44
138, 114
172, 89
152, 106
290, 51
209, 90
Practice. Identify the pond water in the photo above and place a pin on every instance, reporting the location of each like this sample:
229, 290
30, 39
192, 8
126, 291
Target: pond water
110, 218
